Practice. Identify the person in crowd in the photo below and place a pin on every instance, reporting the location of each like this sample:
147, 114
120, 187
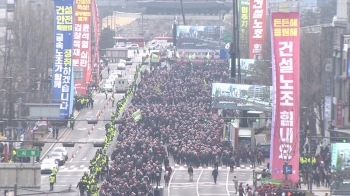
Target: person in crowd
172, 104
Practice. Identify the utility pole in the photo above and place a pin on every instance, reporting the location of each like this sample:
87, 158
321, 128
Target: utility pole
237, 43
183, 13
20, 111
15, 190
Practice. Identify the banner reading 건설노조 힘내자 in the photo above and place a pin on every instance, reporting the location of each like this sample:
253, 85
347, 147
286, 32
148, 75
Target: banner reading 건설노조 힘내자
62, 80
285, 116
257, 28
82, 45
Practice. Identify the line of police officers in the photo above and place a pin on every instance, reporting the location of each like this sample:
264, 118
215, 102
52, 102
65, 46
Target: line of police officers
98, 166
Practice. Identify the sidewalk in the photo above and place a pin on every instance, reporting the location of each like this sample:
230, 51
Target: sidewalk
317, 191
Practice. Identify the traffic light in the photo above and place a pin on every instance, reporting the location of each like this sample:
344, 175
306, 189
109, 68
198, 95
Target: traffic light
68, 144
344, 140
99, 144
257, 120
40, 144
120, 122
92, 122
205, 120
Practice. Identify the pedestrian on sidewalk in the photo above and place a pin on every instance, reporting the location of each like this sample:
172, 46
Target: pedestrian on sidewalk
54, 173
52, 181
106, 93
53, 132
91, 103
72, 121
215, 174
56, 132
81, 187
235, 181
190, 172
112, 99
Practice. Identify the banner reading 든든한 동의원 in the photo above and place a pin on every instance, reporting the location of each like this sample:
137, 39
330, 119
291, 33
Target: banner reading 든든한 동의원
285, 116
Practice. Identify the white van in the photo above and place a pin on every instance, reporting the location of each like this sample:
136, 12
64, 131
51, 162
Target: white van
121, 85
121, 66
122, 61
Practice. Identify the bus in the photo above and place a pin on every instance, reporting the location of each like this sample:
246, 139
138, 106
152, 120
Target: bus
123, 41
167, 39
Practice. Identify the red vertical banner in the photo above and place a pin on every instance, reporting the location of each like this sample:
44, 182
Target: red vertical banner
285, 118
257, 28
82, 45
339, 113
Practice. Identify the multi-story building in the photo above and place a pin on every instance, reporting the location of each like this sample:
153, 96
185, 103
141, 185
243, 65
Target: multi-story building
340, 113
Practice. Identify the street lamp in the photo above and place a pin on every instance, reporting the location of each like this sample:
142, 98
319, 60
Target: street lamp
32, 83
10, 102
2, 93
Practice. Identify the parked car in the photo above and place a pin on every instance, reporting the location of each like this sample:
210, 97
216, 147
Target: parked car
59, 157
122, 61
133, 47
121, 66
47, 165
128, 61
108, 87
62, 150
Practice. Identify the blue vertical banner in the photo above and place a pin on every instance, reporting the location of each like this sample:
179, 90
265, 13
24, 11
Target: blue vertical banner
62, 66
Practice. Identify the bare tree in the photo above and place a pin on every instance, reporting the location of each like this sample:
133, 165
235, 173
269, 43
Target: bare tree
31, 45
314, 51
263, 68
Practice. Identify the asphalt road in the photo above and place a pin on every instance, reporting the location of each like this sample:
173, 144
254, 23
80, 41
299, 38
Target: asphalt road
203, 182
80, 155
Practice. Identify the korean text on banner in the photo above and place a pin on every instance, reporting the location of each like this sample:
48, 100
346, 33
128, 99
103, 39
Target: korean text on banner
82, 45
285, 133
62, 66
244, 12
257, 28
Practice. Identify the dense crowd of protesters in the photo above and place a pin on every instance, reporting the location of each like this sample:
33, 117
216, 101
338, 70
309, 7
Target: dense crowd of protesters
173, 101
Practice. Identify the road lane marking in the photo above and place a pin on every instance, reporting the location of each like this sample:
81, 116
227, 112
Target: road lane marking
198, 182
98, 112
84, 158
71, 159
72, 166
170, 182
228, 192
82, 165
80, 170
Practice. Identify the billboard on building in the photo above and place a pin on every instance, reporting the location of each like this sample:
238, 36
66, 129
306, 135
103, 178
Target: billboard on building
340, 166
242, 94
257, 28
246, 64
200, 37
285, 113
62, 83
82, 45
